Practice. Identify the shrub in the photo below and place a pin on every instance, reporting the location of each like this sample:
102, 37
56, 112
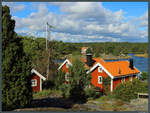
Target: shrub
59, 79
92, 93
89, 50
65, 88
129, 90
144, 76
48, 84
106, 82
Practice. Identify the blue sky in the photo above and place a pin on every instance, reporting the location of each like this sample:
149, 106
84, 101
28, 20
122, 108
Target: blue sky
83, 21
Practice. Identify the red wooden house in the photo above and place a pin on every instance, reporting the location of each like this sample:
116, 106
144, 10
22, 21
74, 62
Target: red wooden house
118, 71
36, 81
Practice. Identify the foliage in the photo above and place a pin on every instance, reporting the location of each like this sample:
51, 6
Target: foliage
46, 93
65, 88
89, 50
16, 85
144, 76
92, 93
106, 82
78, 80
35, 46
35, 49
59, 79
48, 84
127, 91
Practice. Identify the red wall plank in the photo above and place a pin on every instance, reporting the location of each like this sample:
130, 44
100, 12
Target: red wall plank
36, 88
95, 75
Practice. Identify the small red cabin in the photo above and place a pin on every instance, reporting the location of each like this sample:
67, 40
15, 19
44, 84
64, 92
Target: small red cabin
118, 71
36, 80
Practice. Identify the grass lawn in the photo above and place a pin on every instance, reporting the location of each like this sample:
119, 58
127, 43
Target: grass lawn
46, 93
107, 103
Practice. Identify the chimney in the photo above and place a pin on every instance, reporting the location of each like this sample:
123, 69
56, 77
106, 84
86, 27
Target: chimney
119, 71
89, 60
131, 65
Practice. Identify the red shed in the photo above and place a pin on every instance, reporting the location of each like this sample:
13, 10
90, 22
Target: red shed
118, 71
36, 81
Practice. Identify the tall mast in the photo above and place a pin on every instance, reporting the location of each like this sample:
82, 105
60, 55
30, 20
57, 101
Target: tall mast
48, 50
46, 36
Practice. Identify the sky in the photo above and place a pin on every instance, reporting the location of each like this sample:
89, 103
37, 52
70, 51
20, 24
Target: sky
82, 21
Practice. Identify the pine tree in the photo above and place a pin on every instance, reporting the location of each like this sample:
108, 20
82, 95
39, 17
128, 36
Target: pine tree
16, 85
78, 81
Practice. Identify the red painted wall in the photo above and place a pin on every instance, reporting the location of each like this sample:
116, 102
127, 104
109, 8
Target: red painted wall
36, 88
95, 75
64, 68
118, 80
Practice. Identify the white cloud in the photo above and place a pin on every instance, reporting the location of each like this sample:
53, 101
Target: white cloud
143, 20
90, 10
81, 21
14, 7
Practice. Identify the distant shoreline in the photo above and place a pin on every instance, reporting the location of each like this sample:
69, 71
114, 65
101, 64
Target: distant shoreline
141, 55
111, 57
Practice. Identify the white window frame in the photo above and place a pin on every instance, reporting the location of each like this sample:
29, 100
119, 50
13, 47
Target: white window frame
34, 82
99, 69
131, 78
66, 77
100, 82
123, 80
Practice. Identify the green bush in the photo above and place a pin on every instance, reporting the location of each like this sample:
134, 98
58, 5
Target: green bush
129, 90
92, 93
106, 82
144, 76
89, 50
65, 88
48, 84
59, 79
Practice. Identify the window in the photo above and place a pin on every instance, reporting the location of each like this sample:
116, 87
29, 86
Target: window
67, 65
99, 69
99, 79
130, 78
123, 80
33, 82
66, 77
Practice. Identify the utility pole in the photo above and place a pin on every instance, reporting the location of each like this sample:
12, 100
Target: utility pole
46, 36
48, 50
